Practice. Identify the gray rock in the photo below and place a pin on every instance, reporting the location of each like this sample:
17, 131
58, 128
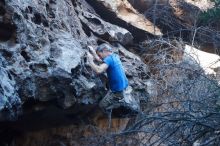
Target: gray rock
9, 101
43, 55
105, 29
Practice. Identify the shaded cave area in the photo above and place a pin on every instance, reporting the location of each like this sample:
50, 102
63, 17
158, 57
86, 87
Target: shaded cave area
7, 31
46, 116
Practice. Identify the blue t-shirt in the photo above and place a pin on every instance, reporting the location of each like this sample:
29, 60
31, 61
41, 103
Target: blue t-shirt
116, 75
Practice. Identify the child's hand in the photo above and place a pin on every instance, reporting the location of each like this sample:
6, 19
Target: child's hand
89, 56
91, 49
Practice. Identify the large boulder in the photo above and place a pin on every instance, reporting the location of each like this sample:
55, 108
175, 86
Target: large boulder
186, 10
122, 13
43, 55
209, 62
101, 28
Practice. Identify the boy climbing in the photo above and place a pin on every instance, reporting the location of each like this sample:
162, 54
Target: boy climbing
120, 92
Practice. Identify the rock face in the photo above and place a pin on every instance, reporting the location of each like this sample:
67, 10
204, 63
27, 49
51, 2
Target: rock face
9, 97
207, 61
204, 5
99, 27
45, 81
179, 17
42, 49
126, 12
187, 11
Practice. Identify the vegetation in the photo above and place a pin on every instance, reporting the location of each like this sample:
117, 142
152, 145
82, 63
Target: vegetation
212, 15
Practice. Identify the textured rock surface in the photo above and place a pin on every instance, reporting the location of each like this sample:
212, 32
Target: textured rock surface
187, 10
101, 28
127, 13
204, 5
9, 97
46, 84
208, 62
43, 54
178, 18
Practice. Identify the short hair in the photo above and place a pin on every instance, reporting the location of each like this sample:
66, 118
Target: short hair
103, 46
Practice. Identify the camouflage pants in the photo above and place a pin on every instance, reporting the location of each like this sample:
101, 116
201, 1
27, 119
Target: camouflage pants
115, 99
